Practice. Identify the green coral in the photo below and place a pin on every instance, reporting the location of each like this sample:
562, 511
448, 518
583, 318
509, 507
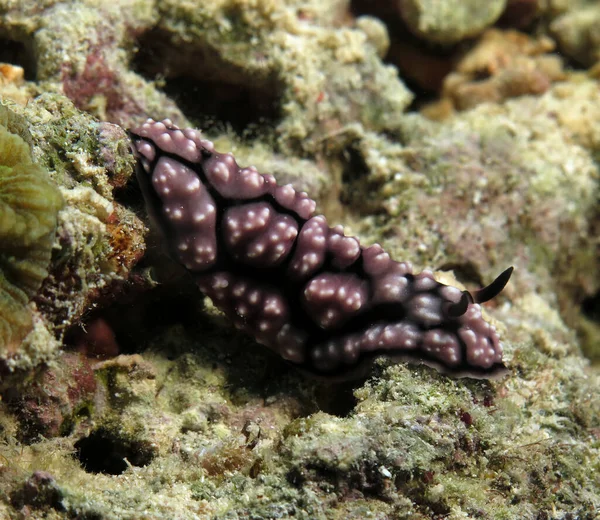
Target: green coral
29, 204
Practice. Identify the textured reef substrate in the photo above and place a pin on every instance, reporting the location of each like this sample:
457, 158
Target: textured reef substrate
466, 143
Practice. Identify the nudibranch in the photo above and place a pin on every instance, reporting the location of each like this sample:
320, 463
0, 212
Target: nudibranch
315, 296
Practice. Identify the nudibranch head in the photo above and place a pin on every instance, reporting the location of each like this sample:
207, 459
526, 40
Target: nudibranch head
307, 291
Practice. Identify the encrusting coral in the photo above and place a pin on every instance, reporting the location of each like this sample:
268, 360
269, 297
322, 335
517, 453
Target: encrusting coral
29, 205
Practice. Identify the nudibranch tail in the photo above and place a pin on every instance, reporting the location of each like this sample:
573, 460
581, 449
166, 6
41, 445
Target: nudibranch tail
306, 290
453, 310
494, 289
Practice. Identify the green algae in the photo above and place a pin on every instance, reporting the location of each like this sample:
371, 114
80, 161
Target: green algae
29, 205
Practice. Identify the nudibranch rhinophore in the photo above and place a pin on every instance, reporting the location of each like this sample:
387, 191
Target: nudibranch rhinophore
280, 273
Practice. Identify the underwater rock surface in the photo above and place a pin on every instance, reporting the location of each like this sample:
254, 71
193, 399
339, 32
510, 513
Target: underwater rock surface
134, 398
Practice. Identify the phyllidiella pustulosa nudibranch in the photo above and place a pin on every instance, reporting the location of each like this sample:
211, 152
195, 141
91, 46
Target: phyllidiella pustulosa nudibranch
280, 273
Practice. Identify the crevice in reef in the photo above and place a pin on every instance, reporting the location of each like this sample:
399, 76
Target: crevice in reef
208, 90
591, 307
18, 53
103, 452
589, 327
245, 109
357, 189
337, 398
355, 166
127, 326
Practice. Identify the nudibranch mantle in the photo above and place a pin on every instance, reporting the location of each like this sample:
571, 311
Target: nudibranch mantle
315, 296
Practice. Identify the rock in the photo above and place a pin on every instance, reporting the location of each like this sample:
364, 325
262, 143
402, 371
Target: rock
447, 21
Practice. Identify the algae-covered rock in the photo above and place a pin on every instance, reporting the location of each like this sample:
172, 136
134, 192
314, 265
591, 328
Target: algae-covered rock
578, 35
29, 205
502, 65
291, 67
449, 21
301, 67
97, 240
511, 184
137, 403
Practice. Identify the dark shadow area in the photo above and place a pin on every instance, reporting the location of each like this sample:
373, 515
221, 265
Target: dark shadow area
337, 398
126, 326
355, 167
102, 452
18, 53
591, 307
210, 91
358, 189
248, 111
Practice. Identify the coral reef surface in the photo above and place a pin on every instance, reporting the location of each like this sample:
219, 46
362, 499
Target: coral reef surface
464, 144
29, 205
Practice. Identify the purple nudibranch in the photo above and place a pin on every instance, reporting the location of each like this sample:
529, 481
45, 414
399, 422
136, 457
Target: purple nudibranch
316, 297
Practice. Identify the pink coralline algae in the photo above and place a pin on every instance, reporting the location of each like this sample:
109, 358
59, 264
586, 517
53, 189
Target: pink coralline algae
280, 273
